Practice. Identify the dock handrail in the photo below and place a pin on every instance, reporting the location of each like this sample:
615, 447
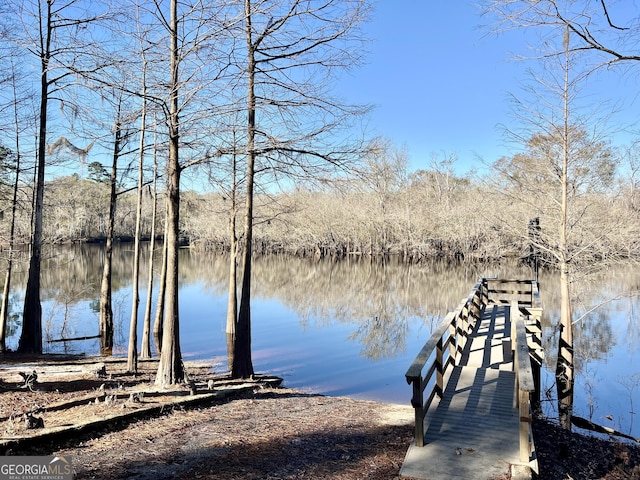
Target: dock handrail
458, 324
504, 290
448, 341
525, 384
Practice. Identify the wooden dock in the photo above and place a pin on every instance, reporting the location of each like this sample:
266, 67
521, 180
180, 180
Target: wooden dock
475, 424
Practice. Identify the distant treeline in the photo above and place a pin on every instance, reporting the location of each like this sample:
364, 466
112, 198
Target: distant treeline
416, 217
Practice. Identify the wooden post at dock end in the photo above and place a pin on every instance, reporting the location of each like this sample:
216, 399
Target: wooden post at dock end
525, 426
418, 404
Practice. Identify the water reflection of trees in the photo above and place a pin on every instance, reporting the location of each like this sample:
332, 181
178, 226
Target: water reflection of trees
71, 276
633, 323
72, 273
379, 298
595, 336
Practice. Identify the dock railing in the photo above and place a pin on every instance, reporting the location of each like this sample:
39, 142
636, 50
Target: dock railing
504, 290
525, 296
525, 385
442, 350
446, 344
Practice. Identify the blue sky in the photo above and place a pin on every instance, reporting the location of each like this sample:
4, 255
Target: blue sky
440, 82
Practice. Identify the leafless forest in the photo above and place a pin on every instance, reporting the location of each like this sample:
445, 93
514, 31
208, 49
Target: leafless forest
384, 210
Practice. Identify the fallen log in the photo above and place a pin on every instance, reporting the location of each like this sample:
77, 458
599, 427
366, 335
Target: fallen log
73, 339
589, 425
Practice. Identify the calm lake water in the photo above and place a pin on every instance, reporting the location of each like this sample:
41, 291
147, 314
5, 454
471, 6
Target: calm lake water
344, 328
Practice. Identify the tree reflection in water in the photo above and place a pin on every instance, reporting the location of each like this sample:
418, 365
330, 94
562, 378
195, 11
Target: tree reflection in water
373, 315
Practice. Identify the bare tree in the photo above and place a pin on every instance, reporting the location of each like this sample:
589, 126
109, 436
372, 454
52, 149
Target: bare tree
132, 357
162, 287
383, 176
50, 31
292, 49
145, 349
171, 369
106, 308
566, 165
232, 299
7, 157
631, 182
194, 65
602, 27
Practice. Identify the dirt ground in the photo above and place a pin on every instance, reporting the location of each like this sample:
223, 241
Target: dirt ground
234, 431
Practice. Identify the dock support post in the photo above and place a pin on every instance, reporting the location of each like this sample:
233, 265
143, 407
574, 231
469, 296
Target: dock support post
525, 426
417, 402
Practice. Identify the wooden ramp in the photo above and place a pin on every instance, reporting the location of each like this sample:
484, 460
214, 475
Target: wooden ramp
472, 432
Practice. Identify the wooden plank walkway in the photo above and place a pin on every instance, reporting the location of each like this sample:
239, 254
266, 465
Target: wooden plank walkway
472, 431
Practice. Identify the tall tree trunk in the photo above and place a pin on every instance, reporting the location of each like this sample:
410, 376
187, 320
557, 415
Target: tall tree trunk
232, 303
242, 365
106, 306
31, 336
170, 368
145, 350
4, 309
564, 366
162, 287
132, 357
